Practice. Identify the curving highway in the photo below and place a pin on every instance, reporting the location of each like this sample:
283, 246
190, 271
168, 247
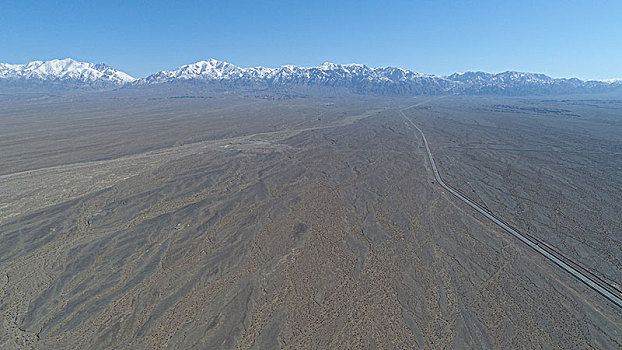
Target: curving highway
565, 263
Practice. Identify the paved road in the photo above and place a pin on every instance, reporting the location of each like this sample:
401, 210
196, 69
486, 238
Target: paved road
536, 245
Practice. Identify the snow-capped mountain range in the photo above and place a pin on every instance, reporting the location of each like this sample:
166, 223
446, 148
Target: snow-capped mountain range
65, 72
356, 78
353, 77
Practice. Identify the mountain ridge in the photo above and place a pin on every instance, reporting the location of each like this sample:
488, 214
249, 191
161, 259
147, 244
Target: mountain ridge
360, 78
354, 77
67, 73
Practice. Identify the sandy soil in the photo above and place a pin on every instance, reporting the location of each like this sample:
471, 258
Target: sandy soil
239, 222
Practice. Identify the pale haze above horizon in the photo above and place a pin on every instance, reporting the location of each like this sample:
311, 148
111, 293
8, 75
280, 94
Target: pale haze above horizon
573, 38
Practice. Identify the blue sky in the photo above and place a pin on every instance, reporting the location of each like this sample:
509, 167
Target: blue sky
559, 38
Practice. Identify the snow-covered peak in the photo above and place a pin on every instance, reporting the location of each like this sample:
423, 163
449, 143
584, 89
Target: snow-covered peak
329, 66
64, 70
203, 70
